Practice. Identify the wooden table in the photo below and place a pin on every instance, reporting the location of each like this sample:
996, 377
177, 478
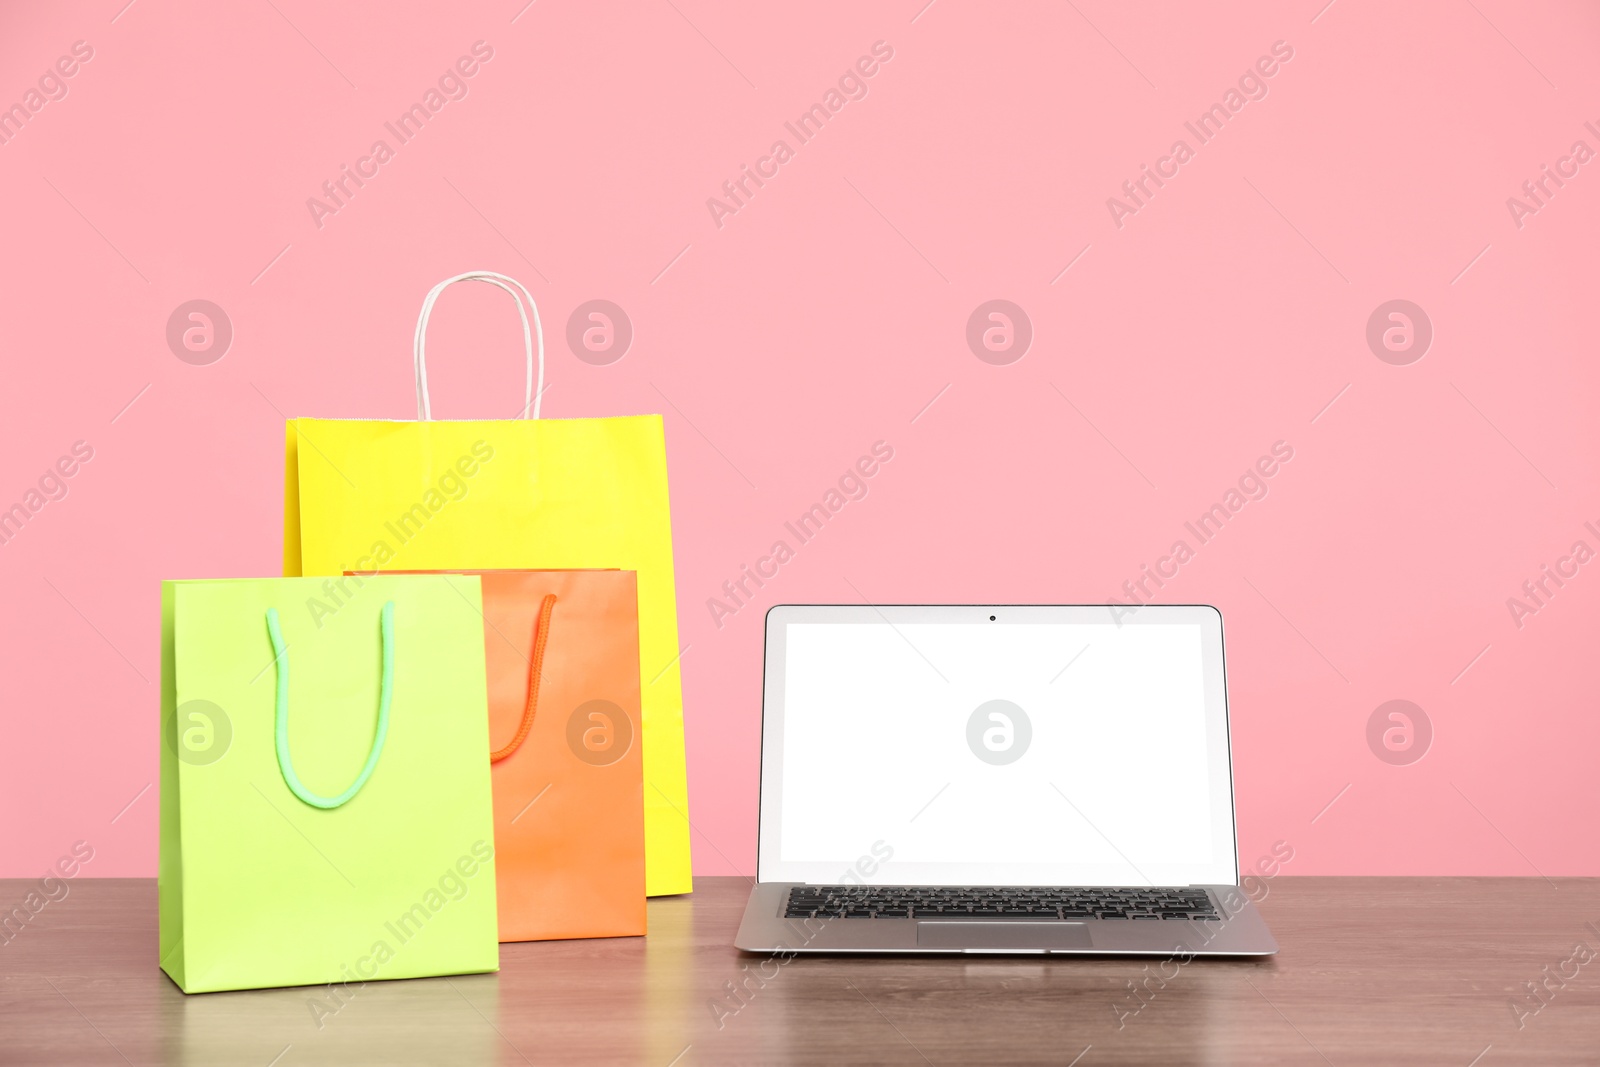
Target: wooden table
1373, 970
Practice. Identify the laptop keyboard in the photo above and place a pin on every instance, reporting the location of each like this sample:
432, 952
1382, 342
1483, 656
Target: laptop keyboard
916, 902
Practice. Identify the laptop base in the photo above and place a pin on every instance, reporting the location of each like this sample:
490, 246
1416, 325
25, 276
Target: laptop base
1241, 932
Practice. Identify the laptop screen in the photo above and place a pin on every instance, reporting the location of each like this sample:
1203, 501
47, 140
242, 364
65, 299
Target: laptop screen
1048, 746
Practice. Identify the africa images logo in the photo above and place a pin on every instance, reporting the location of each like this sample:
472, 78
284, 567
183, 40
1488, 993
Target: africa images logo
452, 84
1252, 85
999, 732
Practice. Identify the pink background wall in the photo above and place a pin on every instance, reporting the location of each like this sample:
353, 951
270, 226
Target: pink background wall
1228, 313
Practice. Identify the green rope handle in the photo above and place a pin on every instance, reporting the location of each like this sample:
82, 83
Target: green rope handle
285, 763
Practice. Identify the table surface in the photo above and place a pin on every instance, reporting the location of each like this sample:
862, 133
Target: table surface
1372, 970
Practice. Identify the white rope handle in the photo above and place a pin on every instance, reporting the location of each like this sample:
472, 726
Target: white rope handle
530, 398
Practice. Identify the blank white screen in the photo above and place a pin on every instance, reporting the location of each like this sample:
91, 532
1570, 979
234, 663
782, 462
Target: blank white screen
876, 748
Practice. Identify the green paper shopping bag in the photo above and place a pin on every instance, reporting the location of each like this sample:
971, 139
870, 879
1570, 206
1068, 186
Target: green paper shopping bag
326, 813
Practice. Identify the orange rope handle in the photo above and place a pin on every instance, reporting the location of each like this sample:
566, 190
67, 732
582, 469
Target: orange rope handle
541, 635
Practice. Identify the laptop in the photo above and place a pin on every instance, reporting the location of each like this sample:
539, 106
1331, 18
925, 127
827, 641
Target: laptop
1002, 779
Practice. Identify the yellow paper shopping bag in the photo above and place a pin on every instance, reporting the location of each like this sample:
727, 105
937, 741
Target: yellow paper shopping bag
525, 493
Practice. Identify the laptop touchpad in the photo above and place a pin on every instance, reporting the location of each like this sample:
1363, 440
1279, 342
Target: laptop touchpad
1002, 935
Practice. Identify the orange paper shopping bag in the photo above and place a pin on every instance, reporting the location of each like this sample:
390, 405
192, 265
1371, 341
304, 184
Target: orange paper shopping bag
562, 652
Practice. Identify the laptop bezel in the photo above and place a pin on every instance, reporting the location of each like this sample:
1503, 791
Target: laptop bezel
770, 869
